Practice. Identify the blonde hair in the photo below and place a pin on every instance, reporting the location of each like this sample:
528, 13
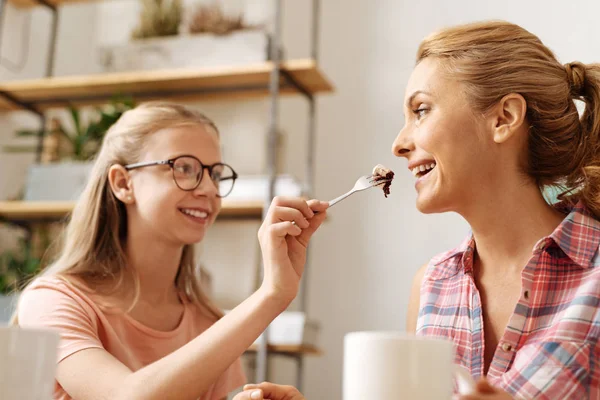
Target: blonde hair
493, 59
93, 242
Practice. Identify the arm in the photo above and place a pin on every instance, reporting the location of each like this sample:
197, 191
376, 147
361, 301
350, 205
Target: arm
94, 374
183, 374
413, 302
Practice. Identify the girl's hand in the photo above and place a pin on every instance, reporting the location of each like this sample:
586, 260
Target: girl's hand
269, 391
284, 237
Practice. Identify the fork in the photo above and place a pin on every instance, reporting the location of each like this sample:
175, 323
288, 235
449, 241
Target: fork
363, 183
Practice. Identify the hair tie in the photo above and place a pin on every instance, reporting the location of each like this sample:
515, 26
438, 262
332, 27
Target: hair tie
576, 77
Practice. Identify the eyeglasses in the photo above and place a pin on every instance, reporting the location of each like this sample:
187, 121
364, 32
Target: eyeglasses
188, 172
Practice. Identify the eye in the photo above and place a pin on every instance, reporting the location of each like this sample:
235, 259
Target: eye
216, 176
184, 168
421, 112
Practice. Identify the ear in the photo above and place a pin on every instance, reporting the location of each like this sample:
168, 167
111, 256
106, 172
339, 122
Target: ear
120, 183
508, 117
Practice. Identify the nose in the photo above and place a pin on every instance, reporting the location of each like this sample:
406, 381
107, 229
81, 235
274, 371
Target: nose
207, 186
403, 144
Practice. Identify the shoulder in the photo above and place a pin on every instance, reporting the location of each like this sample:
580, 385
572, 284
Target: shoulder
415, 299
56, 304
448, 263
54, 297
56, 287
419, 275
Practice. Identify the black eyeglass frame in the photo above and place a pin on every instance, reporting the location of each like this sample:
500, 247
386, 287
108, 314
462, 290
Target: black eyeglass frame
171, 163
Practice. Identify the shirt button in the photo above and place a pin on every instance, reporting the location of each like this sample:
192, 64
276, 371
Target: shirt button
526, 294
506, 347
541, 246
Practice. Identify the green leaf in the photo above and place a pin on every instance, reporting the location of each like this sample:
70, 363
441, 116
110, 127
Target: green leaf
31, 266
76, 120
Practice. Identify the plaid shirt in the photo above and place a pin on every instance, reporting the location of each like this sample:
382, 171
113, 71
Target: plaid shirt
549, 348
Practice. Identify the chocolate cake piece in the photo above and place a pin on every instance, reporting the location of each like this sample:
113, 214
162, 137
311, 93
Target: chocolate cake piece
381, 173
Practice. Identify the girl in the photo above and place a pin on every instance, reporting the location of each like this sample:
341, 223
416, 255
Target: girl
490, 115
123, 293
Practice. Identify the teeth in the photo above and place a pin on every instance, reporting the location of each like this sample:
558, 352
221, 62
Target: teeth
422, 168
194, 213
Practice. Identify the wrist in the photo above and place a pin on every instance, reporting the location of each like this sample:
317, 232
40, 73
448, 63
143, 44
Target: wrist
273, 298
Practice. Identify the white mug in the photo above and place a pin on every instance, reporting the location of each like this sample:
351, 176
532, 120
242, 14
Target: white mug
27, 363
393, 365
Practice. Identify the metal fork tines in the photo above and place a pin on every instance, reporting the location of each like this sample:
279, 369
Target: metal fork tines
363, 183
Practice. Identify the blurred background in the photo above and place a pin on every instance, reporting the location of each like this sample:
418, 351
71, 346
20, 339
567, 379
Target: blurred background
363, 259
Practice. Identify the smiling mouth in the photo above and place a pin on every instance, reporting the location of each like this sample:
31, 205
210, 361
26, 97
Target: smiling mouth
194, 213
422, 170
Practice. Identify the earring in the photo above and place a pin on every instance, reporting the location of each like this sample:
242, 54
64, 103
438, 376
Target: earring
129, 198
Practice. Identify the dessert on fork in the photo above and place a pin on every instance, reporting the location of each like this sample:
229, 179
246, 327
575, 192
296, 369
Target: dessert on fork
381, 173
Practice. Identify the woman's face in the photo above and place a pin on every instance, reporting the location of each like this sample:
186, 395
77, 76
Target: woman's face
449, 149
175, 215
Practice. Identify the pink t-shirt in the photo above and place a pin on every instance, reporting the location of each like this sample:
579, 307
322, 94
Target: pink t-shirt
53, 303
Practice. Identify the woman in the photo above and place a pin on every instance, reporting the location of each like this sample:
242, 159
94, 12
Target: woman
123, 293
490, 123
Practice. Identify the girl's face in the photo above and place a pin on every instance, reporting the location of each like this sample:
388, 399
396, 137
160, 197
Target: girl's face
160, 205
449, 150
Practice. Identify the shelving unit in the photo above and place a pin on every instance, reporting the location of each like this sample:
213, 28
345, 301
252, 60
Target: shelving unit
190, 84
289, 350
270, 80
23, 211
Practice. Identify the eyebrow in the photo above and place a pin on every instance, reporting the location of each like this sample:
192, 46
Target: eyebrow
415, 94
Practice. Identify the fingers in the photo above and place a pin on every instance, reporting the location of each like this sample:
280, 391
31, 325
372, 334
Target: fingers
282, 229
280, 214
249, 394
320, 207
292, 203
306, 215
273, 391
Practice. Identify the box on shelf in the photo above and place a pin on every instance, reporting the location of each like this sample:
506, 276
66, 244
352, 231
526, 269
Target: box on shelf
255, 187
293, 328
63, 181
181, 51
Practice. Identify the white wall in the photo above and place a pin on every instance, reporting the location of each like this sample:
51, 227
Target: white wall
364, 257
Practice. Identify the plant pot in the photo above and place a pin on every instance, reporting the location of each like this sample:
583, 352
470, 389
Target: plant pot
63, 181
201, 50
7, 306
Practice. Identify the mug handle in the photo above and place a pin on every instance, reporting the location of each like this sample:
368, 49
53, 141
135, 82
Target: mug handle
466, 383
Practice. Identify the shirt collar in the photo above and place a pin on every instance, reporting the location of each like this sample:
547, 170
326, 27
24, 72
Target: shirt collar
578, 236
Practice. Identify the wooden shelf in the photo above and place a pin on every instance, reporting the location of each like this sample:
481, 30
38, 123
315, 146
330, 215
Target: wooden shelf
183, 84
289, 350
34, 3
32, 211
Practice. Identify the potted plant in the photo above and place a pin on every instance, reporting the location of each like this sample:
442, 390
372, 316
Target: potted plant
159, 18
67, 150
16, 267
210, 38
